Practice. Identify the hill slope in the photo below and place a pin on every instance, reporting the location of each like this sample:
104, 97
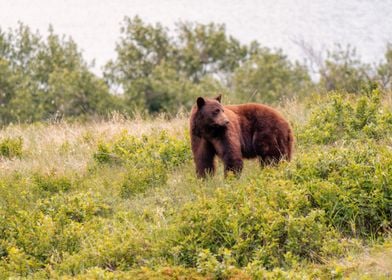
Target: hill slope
119, 199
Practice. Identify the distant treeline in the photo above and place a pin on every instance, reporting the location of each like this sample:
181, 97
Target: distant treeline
160, 71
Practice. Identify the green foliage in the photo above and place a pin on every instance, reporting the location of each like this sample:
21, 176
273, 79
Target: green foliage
339, 118
352, 179
384, 70
52, 183
37, 229
351, 184
146, 159
138, 151
158, 70
113, 250
103, 154
139, 179
207, 49
343, 70
11, 147
221, 266
161, 70
165, 273
269, 77
163, 73
79, 207
264, 220
47, 78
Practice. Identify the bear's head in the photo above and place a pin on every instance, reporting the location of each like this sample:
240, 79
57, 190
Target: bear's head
210, 117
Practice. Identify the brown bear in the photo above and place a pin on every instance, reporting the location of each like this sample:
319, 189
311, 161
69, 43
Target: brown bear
235, 132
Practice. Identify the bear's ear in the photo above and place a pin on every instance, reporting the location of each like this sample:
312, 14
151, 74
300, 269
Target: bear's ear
219, 97
200, 102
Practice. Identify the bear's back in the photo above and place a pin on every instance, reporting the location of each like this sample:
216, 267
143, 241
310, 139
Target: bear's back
255, 113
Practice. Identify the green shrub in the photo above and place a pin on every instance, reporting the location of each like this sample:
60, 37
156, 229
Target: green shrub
139, 179
268, 77
56, 227
270, 221
343, 70
162, 273
352, 184
339, 118
103, 154
117, 245
79, 207
17, 263
52, 182
128, 149
11, 147
173, 151
146, 159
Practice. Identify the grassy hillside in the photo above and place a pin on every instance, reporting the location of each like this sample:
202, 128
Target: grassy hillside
119, 199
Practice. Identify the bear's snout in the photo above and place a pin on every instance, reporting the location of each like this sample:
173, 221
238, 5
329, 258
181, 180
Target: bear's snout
222, 120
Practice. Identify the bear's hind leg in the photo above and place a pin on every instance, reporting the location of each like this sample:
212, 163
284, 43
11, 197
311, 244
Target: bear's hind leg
267, 149
266, 160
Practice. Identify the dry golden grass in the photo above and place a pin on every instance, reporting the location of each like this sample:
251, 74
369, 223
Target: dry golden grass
67, 146
387, 101
374, 263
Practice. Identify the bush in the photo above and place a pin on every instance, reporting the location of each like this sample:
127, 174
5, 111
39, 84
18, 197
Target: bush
351, 184
54, 228
140, 179
115, 247
128, 149
159, 71
268, 77
343, 70
267, 220
52, 182
79, 207
342, 118
11, 147
146, 159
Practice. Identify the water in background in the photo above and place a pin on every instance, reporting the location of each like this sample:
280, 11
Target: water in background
94, 24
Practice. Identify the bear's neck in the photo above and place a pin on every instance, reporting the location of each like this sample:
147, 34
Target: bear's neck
212, 132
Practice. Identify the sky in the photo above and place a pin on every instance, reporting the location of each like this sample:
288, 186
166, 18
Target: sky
95, 24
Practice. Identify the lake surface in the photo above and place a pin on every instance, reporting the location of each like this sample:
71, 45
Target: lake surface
94, 24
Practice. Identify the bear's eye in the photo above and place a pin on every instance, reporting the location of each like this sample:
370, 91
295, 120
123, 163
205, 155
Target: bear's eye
216, 111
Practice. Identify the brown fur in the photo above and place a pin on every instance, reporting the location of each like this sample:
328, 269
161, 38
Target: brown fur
235, 132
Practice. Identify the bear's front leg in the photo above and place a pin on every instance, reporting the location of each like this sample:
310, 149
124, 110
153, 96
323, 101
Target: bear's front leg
234, 165
203, 155
228, 149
